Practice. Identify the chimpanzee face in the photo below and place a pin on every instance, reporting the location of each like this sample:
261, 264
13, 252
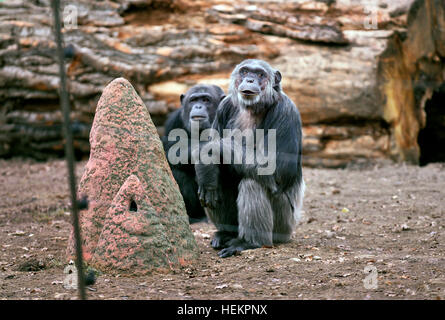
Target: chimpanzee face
200, 104
254, 84
251, 81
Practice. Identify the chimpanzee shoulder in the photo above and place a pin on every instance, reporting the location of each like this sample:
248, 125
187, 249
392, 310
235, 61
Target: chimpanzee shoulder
225, 112
174, 121
283, 115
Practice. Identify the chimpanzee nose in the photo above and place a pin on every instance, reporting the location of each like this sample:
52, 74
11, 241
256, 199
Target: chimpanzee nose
249, 80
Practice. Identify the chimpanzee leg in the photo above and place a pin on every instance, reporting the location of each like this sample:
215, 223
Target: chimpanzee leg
287, 210
225, 218
255, 218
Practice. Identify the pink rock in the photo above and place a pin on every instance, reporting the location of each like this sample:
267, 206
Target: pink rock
127, 162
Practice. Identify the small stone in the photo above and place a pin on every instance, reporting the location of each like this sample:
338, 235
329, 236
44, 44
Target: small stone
222, 286
405, 227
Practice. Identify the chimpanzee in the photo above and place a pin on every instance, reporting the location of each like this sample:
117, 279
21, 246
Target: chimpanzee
251, 208
198, 107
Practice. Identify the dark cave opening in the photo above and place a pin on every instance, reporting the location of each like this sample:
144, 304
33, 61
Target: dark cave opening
431, 139
133, 206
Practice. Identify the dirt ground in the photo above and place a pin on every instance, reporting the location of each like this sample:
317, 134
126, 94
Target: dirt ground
391, 217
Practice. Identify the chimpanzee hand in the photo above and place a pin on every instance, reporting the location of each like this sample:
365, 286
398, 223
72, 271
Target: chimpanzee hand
207, 176
208, 196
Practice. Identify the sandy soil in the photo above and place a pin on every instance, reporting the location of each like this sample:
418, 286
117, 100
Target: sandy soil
391, 217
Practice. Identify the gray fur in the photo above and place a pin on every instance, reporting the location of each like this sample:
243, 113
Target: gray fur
255, 214
266, 219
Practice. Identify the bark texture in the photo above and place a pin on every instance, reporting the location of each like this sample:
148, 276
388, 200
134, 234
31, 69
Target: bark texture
364, 74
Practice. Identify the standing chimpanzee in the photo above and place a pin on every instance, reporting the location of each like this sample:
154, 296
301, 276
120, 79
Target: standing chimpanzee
250, 209
198, 107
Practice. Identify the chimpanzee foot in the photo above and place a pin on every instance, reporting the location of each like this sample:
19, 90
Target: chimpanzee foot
221, 238
235, 246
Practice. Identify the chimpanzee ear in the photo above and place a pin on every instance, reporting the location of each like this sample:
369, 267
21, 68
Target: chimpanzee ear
277, 80
182, 98
277, 77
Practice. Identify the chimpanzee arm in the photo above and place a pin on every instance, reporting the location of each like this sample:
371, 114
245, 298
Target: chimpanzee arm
208, 174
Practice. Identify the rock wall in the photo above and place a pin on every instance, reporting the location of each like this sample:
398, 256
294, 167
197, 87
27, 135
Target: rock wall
329, 53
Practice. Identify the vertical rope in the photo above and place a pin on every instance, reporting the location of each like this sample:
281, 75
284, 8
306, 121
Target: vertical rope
69, 152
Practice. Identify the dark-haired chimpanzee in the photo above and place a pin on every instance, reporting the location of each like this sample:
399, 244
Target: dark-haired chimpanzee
251, 209
198, 107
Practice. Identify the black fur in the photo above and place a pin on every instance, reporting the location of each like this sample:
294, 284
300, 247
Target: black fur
180, 119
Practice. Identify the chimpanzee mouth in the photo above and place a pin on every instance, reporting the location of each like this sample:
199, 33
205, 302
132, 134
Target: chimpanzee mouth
249, 93
198, 118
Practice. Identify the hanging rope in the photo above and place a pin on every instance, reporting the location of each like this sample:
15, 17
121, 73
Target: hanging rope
69, 151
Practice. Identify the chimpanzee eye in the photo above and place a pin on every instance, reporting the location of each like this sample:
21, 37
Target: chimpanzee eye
205, 99
261, 75
243, 71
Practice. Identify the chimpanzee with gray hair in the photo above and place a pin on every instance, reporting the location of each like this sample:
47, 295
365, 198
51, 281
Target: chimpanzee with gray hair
252, 210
